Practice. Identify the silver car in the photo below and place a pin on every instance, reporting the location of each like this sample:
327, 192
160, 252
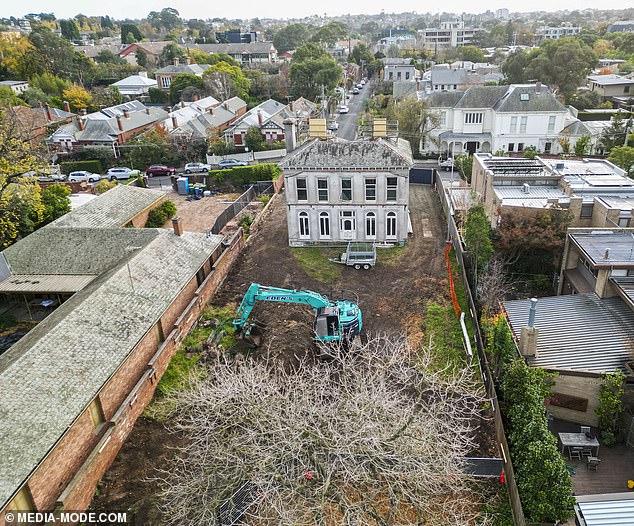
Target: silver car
83, 176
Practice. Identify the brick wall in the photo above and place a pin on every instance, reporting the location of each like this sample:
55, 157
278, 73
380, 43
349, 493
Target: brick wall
68, 477
139, 220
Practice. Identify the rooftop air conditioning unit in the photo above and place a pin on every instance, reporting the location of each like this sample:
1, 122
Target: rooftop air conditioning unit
526, 188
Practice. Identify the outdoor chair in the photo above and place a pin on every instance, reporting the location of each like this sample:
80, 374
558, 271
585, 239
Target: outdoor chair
586, 452
592, 463
575, 452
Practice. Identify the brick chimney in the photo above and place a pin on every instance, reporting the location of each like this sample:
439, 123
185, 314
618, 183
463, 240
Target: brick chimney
291, 106
40, 104
177, 226
120, 122
176, 61
83, 112
81, 122
290, 135
126, 113
211, 110
260, 119
49, 115
188, 61
538, 87
66, 106
195, 98
147, 110
174, 121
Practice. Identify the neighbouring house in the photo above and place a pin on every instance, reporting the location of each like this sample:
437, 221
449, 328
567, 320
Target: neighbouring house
339, 191
609, 86
269, 117
164, 76
244, 53
623, 26
591, 128
604, 508
587, 331
91, 51
403, 41
450, 34
236, 36
399, 69
36, 124
460, 76
492, 118
16, 86
556, 32
595, 192
124, 299
342, 48
151, 50
612, 64
135, 85
201, 118
109, 127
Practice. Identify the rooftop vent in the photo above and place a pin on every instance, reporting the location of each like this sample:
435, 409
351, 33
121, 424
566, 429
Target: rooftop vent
606, 254
526, 188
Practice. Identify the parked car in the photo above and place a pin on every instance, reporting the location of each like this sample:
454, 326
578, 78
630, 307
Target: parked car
343, 109
197, 167
159, 169
360, 86
447, 164
355, 91
333, 125
121, 173
83, 176
230, 163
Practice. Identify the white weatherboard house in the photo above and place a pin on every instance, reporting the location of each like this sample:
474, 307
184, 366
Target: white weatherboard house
339, 191
492, 118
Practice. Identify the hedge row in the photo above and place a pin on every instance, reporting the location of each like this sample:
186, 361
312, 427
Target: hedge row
93, 166
241, 175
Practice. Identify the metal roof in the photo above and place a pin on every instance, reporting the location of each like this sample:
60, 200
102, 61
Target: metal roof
42, 283
625, 288
617, 509
595, 243
578, 332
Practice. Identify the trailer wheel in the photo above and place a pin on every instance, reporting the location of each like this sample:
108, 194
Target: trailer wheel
366, 267
357, 266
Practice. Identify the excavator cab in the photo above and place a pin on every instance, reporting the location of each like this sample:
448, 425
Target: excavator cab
327, 324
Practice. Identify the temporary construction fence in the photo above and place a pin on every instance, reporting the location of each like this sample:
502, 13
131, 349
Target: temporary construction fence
259, 188
487, 377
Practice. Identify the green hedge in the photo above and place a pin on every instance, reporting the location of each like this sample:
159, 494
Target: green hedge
160, 214
241, 175
93, 166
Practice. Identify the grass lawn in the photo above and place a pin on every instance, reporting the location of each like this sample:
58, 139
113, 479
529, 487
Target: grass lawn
314, 261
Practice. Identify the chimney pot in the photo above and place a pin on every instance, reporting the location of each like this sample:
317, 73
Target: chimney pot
177, 225
174, 121
119, 123
66, 106
126, 113
188, 60
81, 122
260, 119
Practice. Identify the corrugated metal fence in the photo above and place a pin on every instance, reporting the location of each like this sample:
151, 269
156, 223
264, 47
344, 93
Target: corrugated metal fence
509, 474
259, 188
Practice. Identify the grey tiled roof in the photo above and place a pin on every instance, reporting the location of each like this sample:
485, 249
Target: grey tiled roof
113, 209
443, 99
51, 375
181, 69
448, 76
539, 99
379, 154
481, 96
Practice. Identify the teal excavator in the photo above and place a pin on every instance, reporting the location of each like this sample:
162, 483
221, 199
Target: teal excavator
335, 321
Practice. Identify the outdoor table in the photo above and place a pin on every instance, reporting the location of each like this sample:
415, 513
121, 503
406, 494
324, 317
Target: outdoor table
569, 440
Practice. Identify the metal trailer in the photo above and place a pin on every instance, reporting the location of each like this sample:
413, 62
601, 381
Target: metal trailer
358, 255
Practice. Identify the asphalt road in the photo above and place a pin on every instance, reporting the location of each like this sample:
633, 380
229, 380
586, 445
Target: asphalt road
348, 122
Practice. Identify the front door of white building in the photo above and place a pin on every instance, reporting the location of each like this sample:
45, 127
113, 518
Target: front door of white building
347, 224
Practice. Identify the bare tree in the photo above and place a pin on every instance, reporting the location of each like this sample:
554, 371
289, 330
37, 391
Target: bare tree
374, 435
493, 285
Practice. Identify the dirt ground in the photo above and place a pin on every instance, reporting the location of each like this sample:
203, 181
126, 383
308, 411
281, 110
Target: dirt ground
199, 216
392, 296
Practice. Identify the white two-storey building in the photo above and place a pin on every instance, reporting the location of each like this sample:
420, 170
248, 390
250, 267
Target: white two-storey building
339, 191
497, 118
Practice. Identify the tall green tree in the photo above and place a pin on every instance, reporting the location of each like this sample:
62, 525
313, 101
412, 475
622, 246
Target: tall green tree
171, 52
623, 156
615, 134
415, 121
130, 33
312, 70
181, 82
168, 19
331, 33
69, 29
56, 202
477, 237
290, 37
471, 53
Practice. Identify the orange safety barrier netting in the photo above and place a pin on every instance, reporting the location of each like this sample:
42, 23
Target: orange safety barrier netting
454, 299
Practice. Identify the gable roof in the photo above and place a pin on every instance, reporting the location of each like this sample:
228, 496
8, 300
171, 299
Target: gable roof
134, 81
182, 69
29, 119
358, 155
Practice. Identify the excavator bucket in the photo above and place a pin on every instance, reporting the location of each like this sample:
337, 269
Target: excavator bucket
252, 335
